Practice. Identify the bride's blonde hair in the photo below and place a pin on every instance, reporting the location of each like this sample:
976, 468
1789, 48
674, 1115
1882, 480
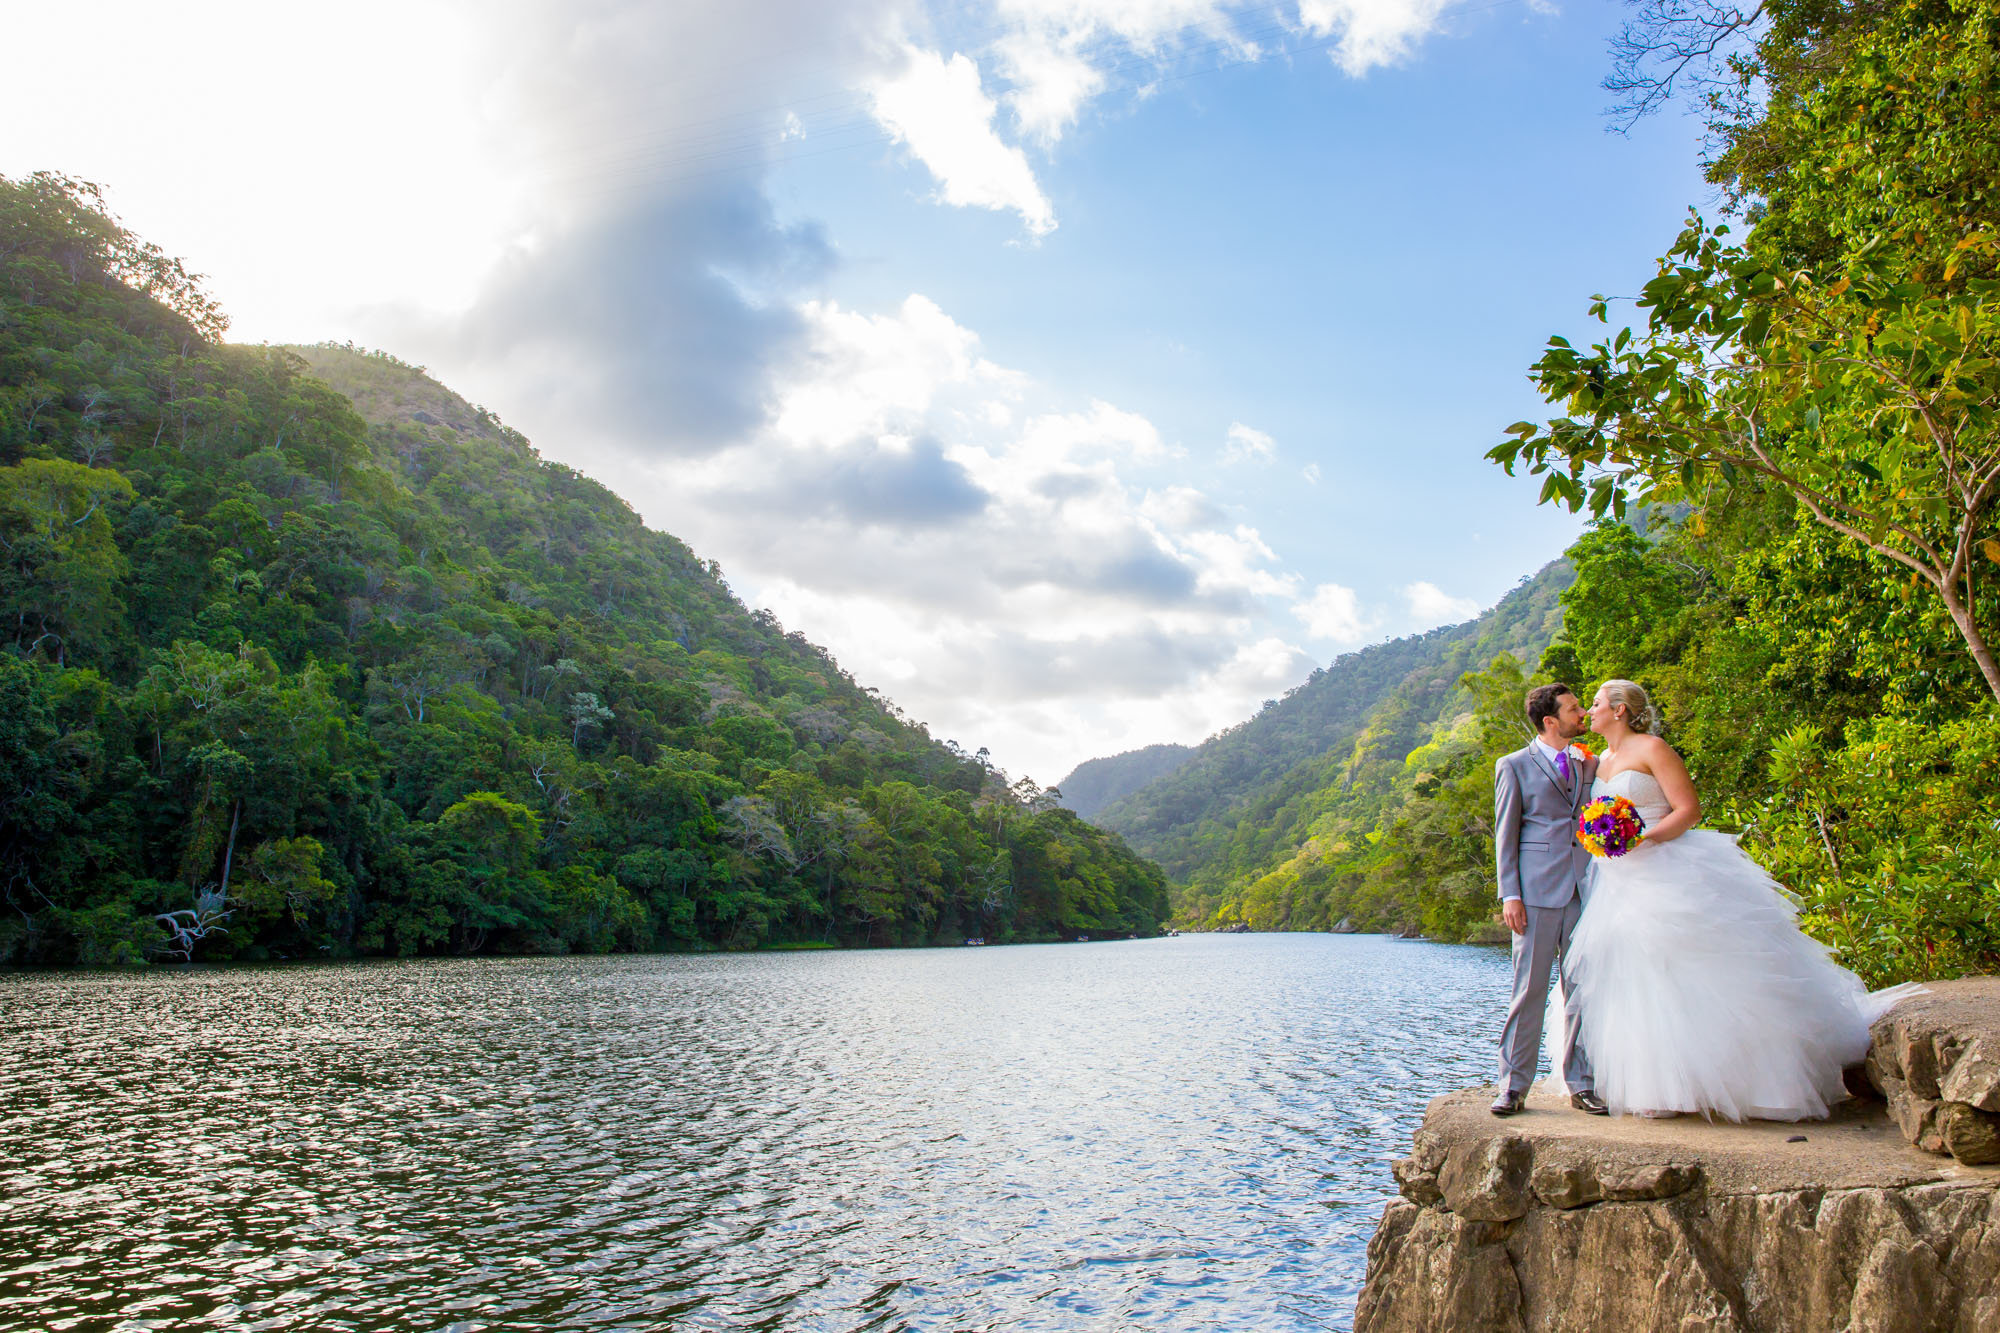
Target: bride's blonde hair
1640, 715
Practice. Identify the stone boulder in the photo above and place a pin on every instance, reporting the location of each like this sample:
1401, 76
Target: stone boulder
1935, 1058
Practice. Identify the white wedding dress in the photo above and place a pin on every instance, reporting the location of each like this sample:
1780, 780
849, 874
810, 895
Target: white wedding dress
1698, 991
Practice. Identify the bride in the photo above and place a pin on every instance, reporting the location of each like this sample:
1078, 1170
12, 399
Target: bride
1696, 990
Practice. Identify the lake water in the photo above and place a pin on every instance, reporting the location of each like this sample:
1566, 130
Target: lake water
1187, 1133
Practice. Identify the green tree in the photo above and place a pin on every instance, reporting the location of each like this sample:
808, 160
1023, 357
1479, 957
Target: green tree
595, 913
485, 877
1876, 407
285, 888
63, 561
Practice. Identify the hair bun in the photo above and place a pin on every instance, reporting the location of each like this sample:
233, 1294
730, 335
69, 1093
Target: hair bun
1640, 715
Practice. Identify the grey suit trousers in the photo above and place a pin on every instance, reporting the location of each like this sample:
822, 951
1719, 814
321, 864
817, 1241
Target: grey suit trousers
1543, 944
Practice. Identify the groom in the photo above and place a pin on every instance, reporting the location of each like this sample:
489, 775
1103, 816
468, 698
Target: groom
1537, 792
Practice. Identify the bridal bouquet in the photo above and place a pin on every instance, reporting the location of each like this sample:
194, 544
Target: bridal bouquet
1609, 826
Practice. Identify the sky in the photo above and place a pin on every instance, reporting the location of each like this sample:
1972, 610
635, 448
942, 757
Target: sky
1082, 373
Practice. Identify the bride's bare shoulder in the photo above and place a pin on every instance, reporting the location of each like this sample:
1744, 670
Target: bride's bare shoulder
1647, 754
1654, 755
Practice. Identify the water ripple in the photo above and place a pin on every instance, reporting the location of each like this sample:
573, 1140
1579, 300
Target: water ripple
1187, 1133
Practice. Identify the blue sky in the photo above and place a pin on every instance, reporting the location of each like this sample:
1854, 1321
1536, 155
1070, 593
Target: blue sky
1361, 268
1082, 372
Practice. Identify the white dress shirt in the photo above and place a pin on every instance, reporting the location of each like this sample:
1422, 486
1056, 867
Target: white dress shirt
1549, 752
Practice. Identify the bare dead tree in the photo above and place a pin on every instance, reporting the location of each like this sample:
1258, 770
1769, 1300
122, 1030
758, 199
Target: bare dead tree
189, 926
94, 449
752, 825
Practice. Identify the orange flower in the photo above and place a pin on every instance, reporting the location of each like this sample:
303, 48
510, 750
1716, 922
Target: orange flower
1584, 750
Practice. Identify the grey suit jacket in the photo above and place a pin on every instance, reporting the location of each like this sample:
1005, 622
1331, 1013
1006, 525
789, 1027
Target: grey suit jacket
1535, 851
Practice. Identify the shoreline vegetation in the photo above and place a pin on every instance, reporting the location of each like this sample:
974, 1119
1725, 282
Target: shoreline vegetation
1789, 445
266, 959
306, 656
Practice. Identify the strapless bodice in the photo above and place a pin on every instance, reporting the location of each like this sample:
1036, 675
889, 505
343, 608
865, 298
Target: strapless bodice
1642, 789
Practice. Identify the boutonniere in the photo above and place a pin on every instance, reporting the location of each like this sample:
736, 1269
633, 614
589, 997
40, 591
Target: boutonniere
1583, 752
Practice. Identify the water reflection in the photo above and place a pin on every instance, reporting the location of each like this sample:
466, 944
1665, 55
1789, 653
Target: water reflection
1181, 1133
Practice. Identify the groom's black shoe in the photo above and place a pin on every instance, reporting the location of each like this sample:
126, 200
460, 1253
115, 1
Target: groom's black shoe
1509, 1103
1589, 1103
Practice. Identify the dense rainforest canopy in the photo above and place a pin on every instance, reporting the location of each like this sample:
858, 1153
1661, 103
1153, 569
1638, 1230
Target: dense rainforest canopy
1809, 417
305, 656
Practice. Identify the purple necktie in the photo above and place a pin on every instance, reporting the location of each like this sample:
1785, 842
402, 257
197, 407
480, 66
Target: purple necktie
1562, 764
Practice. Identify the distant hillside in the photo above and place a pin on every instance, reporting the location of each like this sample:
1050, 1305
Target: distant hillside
1096, 783
303, 655
1248, 797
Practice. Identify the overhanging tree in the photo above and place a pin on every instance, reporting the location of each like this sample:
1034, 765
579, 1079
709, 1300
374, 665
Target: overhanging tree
1872, 400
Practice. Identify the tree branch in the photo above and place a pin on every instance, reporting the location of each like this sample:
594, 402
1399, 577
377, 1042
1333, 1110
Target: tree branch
1667, 42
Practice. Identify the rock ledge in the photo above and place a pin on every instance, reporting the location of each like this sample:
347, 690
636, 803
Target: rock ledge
1554, 1220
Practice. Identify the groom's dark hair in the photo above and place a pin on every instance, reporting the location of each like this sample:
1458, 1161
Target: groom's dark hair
1545, 701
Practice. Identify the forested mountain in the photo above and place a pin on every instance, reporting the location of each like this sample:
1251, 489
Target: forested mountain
282, 677
1096, 783
1811, 414
1251, 794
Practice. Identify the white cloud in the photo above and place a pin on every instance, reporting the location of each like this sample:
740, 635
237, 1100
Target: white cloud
1334, 613
1311, 473
1262, 668
1180, 508
1245, 445
1058, 55
1055, 52
1024, 570
1139, 22
938, 108
1051, 82
1371, 32
865, 374
1055, 438
1239, 560
1434, 606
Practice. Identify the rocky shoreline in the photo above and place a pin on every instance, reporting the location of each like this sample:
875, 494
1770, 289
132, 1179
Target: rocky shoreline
1865, 1221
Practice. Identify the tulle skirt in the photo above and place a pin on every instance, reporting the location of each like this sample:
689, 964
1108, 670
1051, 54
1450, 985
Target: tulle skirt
1698, 992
